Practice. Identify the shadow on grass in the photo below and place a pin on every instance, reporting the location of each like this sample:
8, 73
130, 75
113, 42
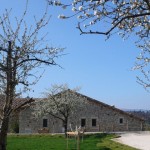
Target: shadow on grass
98, 135
104, 148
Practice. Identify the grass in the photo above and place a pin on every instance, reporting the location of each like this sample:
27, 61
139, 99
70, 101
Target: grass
58, 142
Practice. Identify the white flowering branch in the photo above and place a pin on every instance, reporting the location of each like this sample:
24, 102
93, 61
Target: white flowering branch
60, 102
108, 17
125, 15
22, 53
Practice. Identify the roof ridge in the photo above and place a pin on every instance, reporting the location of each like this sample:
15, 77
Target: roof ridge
111, 107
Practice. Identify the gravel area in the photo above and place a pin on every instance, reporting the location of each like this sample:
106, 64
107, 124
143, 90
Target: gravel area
139, 140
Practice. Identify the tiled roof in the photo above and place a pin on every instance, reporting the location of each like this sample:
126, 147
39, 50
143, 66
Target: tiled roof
20, 101
96, 102
17, 102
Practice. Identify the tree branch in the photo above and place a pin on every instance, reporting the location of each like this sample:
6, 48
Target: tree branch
111, 29
56, 116
23, 104
38, 60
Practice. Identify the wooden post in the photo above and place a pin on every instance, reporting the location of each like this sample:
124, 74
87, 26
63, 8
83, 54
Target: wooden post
67, 141
78, 141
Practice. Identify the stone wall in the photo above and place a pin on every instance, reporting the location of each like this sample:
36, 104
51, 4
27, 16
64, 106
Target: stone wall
107, 119
27, 124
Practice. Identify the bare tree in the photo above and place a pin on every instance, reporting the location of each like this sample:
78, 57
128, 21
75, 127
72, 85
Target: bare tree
22, 53
108, 17
61, 103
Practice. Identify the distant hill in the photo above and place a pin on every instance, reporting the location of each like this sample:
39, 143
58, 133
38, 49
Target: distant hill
131, 110
145, 114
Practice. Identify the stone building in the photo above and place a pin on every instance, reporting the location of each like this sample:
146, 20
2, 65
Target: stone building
18, 105
94, 117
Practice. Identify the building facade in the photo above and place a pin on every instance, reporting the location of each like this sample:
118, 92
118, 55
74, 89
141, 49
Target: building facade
94, 117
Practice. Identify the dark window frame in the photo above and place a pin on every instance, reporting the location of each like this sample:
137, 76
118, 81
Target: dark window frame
94, 122
83, 122
45, 123
121, 120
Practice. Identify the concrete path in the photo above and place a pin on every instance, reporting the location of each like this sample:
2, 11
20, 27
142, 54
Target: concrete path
139, 140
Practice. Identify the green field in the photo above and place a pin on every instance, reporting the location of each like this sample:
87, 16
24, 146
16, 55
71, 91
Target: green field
58, 142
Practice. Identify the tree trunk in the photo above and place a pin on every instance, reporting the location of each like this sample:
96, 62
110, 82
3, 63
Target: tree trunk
3, 133
10, 88
66, 126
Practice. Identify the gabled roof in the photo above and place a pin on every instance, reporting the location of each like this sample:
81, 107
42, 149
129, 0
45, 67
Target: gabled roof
96, 102
18, 102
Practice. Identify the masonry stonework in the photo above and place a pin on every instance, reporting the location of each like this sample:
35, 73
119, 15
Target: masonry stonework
97, 117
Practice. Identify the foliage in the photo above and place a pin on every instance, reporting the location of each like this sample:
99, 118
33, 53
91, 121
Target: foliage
57, 142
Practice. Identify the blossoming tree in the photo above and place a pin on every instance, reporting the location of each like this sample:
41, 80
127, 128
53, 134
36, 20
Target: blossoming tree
142, 64
61, 103
22, 52
107, 17
125, 16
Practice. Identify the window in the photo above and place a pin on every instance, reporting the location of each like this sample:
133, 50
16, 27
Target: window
44, 122
93, 122
121, 120
83, 122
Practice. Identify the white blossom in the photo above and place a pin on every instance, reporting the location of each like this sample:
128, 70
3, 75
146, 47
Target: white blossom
79, 17
98, 16
85, 25
57, 3
124, 17
62, 16
60, 102
92, 22
96, 12
74, 9
80, 8
97, 2
87, 15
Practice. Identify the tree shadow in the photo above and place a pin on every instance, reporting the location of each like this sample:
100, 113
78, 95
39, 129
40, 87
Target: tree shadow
104, 148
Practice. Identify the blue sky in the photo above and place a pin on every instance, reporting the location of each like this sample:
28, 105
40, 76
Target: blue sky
101, 68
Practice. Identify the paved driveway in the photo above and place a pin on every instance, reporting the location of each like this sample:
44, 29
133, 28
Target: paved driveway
139, 140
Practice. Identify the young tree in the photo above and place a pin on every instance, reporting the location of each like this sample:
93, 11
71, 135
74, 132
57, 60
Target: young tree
61, 103
22, 52
107, 17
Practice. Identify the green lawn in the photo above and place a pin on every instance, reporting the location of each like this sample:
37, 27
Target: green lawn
58, 142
